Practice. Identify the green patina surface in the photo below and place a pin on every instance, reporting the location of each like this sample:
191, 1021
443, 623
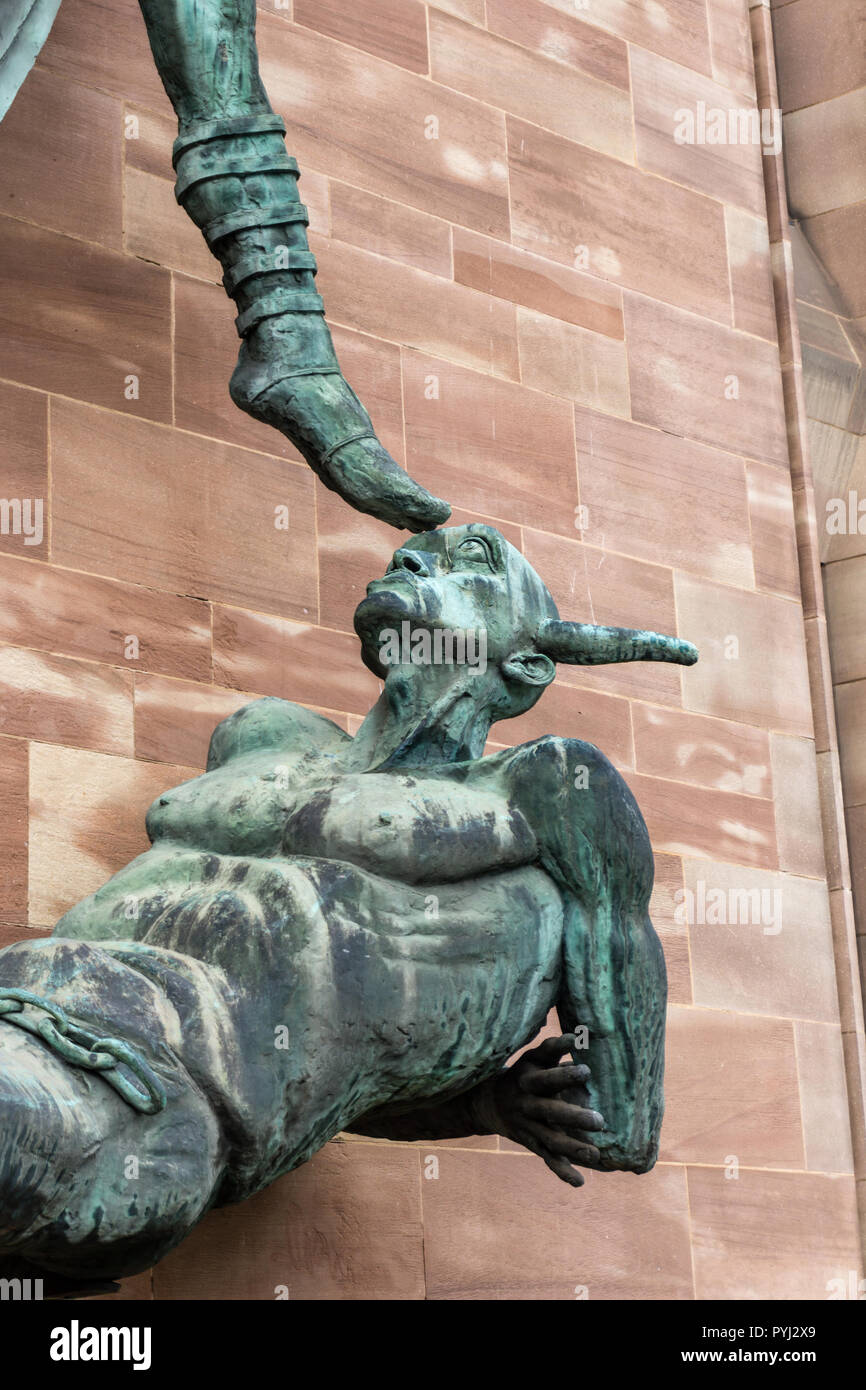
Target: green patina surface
330, 932
24, 27
336, 933
240, 186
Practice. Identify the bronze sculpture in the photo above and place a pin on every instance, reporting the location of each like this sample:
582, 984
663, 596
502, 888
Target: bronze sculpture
238, 184
332, 933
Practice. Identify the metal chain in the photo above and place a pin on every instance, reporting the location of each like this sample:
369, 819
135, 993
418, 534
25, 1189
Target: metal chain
84, 1049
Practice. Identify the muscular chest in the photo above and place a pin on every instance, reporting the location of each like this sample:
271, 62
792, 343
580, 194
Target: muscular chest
410, 827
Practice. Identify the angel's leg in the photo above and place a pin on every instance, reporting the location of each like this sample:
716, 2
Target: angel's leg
237, 183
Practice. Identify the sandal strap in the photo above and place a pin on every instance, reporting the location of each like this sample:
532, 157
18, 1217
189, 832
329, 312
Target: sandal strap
279, 301
246, 217
350, 439
261, 381
262, 263
204, 131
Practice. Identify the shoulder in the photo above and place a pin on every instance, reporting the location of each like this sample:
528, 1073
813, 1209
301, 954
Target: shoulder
557, 764
580, 808
272, 723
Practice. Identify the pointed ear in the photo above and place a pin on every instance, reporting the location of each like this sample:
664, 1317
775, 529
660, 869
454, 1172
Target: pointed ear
529, 668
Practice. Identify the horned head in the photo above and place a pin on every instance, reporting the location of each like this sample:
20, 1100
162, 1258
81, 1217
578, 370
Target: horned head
471, 577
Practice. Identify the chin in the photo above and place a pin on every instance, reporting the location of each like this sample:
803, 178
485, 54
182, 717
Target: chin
375, 612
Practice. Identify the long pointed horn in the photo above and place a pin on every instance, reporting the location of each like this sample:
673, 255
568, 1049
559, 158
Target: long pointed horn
583, 644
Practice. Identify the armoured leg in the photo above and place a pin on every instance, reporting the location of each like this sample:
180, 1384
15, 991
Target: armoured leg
238, 184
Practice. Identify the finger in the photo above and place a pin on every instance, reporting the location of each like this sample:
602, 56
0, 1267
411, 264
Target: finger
548, 1053
529, 1142
552, 1079
557, 1141
563, 1169
562, 1113
588, 1156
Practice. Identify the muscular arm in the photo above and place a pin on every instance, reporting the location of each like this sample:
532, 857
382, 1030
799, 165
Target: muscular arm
594, 844
458, 1118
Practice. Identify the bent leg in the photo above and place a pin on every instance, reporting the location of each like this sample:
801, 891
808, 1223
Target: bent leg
239, 186
89, 1187
90, 1184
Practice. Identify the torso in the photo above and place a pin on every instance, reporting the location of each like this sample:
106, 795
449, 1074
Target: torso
396, 923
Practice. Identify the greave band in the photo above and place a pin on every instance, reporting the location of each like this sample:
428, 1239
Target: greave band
239, 171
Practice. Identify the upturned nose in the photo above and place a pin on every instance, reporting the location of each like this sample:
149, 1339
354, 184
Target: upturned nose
412, 560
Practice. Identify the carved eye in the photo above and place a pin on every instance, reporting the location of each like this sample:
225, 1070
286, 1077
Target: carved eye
473, 548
